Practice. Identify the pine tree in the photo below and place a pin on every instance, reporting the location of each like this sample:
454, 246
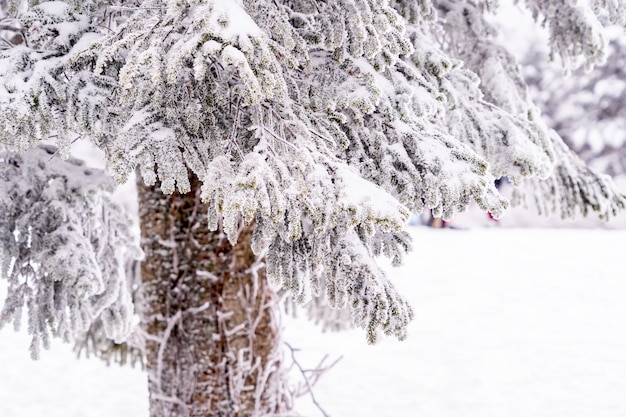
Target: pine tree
280, 144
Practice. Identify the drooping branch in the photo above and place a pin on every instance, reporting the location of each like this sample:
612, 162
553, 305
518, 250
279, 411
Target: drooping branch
63, 244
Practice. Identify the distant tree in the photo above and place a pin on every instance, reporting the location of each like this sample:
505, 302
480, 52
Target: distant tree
278, 141
586, 108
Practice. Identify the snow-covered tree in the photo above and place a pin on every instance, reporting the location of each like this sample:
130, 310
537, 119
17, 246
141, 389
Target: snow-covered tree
282, 142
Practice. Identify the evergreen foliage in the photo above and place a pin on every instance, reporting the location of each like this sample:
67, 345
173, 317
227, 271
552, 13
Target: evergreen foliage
325, 123
63, 245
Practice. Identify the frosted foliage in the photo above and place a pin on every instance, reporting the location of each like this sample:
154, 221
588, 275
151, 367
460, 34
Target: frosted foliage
63, 247
570, 187
325, 123
586, 44
573, 188
503, 122
95, 341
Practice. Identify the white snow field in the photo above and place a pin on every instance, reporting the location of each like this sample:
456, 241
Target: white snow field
509, 322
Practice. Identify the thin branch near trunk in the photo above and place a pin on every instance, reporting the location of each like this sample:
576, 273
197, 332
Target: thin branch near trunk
310, 381
10, 28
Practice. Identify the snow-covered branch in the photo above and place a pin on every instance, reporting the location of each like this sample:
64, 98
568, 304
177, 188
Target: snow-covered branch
63, 246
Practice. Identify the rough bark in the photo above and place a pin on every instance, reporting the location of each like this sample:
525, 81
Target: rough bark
212, 340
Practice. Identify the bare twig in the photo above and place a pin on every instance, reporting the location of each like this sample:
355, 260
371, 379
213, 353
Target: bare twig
54, 155
166, 335
330, 141
9, 44
12, 28
278, 138
307, 379
136, 8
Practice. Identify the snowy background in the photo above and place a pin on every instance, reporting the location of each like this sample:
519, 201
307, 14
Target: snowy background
509, 322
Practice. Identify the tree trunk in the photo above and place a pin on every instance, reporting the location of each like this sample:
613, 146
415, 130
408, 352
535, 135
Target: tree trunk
212, 339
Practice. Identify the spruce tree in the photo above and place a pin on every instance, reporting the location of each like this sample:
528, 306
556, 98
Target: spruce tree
281, 144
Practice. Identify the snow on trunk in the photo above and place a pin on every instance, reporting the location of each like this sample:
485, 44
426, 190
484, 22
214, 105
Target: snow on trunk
208, 314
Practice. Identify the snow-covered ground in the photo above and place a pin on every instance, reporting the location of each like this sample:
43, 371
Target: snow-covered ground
509, 322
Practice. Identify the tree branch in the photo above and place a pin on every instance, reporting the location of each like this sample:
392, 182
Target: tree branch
307, 381
12, 28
